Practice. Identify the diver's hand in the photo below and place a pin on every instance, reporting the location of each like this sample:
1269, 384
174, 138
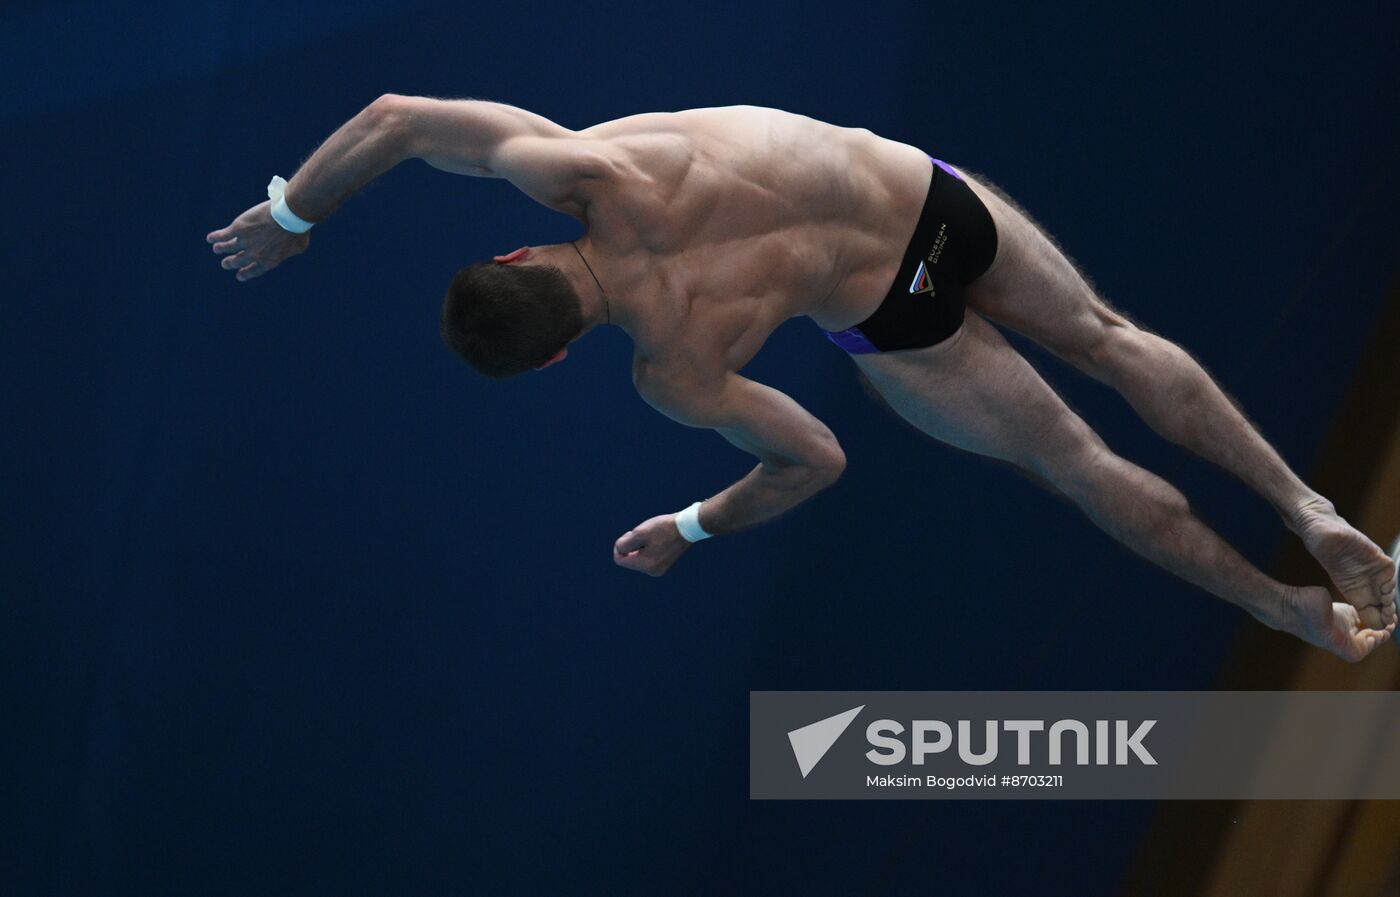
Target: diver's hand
254, 244
652, 547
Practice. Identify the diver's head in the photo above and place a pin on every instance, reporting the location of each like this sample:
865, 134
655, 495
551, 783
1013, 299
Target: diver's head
511, 315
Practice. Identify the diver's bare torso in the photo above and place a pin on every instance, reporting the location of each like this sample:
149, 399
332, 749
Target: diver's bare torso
725, 222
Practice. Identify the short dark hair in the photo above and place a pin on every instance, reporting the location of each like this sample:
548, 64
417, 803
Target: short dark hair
504, 320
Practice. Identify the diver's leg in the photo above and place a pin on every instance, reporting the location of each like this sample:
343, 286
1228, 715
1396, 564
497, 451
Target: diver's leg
976, 392
1036, 290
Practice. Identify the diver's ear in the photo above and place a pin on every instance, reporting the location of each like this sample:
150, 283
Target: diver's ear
522, 253
556, 357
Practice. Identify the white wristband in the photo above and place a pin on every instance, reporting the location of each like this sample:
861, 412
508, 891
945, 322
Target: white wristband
688, 522
276, 190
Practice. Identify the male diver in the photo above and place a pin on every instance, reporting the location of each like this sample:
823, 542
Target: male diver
707, 228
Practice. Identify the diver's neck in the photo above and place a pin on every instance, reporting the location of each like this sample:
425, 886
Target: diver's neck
599, 283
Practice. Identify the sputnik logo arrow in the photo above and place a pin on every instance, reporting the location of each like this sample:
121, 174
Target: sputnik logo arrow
810, 743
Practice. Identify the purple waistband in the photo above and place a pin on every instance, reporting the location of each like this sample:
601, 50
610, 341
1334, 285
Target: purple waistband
851, 339
945, 166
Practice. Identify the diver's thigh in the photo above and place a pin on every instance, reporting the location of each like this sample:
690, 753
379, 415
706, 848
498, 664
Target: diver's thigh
976, 392
1034, 287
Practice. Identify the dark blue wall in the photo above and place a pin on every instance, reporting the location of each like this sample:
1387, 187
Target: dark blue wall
293, 603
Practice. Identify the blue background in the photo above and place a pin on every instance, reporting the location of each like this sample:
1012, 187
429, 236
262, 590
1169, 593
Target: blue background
294, 603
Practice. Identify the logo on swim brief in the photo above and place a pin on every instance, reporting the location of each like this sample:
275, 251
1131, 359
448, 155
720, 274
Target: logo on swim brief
938, 242
923, 283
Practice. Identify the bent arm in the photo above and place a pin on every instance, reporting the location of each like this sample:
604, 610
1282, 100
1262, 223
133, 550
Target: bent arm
798, 455
472, 137
547, 162
359, 151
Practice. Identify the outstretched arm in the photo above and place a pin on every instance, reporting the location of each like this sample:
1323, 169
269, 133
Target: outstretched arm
475, 137
798, 457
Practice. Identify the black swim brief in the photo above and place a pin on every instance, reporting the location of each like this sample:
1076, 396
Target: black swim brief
954, 242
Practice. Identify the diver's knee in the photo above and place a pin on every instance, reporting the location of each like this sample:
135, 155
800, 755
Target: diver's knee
1112, 350
1068, 456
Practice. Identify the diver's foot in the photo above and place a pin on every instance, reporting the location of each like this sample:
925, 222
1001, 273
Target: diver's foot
1362, 573
1310, 613
1395, 576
